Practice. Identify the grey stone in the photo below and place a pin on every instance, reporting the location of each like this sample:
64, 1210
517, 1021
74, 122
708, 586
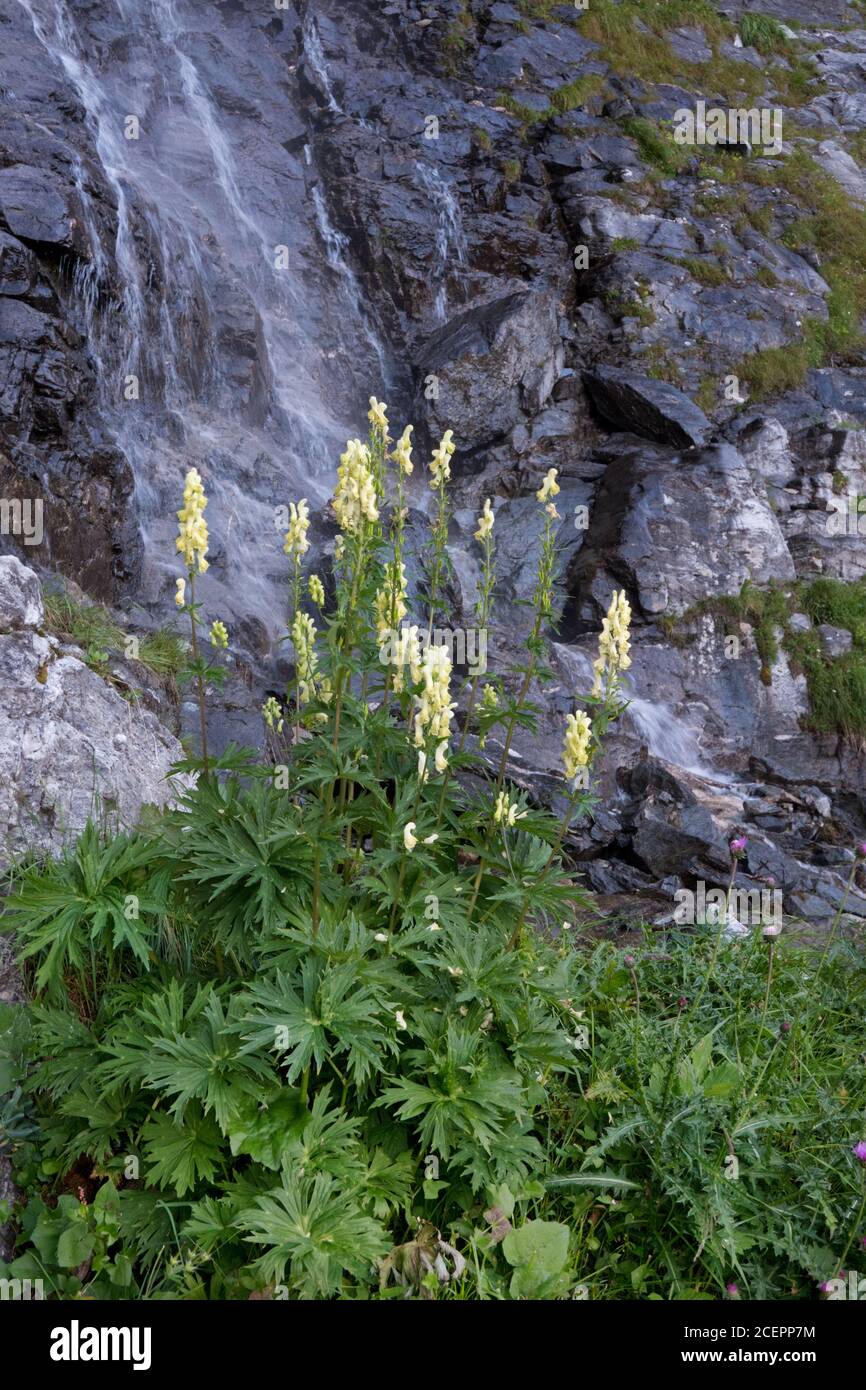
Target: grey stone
835, 641
648, 407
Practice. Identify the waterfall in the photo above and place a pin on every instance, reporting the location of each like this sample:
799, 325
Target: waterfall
667, 737
450, 237
214, 295
316, 58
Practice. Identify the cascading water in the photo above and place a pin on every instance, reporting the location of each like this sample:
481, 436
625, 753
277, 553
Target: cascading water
450, 238
668, 737
212, 300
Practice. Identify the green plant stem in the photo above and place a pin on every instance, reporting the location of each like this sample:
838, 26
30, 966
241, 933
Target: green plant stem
199, 678
555, 848
857, 1220
837, 919
723, 922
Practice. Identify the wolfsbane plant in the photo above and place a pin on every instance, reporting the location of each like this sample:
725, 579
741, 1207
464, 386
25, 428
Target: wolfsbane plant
278, 1026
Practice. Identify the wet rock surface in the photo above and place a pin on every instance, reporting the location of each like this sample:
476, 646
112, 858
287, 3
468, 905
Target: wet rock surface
461, 207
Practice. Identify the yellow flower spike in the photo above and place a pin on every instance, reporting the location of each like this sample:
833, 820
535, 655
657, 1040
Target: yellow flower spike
192, 539
296, 543
433, 708
219, 636
354, 501
272, 715
549, 488
180, 592
317, 590
575, 750
614, 642
485, 521
390, 602
303, 634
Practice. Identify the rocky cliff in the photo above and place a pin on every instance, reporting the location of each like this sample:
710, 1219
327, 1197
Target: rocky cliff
221, 227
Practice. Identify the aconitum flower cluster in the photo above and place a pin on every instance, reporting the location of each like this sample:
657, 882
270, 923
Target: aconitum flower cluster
440, 464
614, 642
355, 498
390, 604
296, 543
192, 539
433, 706
306, 662
578, 739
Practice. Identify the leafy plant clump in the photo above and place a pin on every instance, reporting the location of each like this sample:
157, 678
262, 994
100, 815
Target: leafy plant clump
274, 1029
326, 1029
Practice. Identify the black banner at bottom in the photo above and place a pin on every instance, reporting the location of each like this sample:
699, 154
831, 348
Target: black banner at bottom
84, 1339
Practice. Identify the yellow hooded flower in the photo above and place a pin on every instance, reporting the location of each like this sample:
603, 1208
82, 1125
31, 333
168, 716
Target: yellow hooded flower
377, 417
180, 592
549, 488
402, 454
485, 521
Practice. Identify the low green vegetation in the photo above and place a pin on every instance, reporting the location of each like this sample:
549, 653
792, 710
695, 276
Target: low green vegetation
656, 145
706, 272
92, 627
835, 227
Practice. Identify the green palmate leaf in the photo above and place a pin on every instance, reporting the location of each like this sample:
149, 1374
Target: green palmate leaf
179, 1156
206, 1064
244, 856
60, 911
313, 1234
467, 1092
323, 1010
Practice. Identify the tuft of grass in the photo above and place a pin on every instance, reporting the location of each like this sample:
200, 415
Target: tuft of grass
764, 33
91, 627
705, 272
577, 93
656, 146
